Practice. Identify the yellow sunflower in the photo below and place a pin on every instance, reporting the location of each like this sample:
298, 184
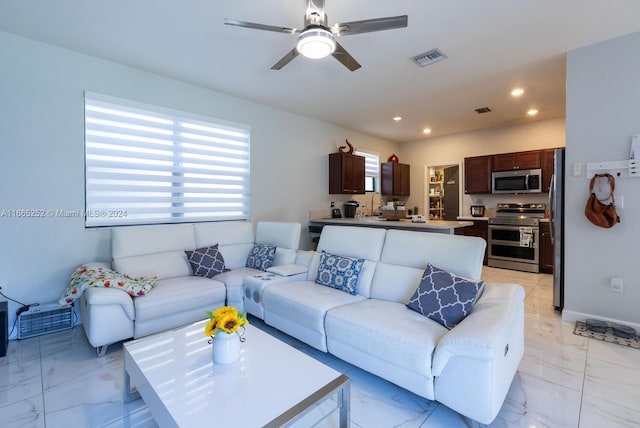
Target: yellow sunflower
229, 323
224, 311
225, 319
210, 329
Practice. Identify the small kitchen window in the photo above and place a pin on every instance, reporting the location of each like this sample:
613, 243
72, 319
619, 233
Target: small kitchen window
148, 165
371, 171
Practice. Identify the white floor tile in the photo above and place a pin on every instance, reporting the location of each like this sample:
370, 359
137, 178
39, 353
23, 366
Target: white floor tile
20, 380
90, 402
564, 380
597, 413
613, 383
535, 402
26, 413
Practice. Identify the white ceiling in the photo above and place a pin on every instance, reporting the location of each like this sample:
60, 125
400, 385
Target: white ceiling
492, 45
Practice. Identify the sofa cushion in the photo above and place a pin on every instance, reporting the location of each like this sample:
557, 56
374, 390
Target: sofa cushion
261, 256
383, 331
141, 240
284, 256
354, 242
172, 264
339, 272
176, 295
206, 262
299, 309
233, 281
235, 240
445, 297
280, 234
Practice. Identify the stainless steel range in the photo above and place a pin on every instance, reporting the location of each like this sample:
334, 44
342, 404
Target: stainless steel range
514, 237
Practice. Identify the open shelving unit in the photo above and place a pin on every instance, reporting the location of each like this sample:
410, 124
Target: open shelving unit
436, 195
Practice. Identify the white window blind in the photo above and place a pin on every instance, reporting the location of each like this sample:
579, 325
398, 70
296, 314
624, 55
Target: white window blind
371, 170
146, 165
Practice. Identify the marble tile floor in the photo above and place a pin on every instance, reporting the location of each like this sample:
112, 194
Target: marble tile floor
563, 380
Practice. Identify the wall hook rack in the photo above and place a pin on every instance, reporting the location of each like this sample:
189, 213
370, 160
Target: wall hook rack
625, 168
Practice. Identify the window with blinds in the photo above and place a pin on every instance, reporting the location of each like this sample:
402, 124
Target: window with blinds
149, 165
371, 171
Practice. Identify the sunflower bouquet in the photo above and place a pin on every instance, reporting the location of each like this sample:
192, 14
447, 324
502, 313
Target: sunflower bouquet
226, 319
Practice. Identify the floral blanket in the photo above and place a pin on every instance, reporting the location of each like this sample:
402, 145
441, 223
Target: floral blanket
86, 276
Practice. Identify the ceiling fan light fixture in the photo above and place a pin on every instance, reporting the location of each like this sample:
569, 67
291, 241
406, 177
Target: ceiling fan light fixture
316, 43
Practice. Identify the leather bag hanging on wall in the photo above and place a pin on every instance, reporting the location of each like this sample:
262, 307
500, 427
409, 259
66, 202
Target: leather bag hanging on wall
599, 213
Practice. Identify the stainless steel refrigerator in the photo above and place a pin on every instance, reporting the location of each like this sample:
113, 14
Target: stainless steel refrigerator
556, 225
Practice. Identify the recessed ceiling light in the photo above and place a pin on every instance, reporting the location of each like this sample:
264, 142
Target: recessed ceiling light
397, 118
532, 112
426, 131
517, 92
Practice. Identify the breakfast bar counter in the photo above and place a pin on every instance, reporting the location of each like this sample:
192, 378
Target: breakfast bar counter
436, 226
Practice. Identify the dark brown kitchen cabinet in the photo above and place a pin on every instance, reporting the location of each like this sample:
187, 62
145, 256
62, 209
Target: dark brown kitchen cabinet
518, 160
396, 179
546, 249
547, 168
346, 173
477, 175
480, 229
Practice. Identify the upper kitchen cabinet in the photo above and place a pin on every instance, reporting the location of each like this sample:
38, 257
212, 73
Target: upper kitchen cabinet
547, 168
346, 173
477, 175
396, 179
519, 160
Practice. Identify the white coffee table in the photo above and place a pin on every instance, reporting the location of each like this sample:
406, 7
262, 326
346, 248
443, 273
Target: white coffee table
271, 385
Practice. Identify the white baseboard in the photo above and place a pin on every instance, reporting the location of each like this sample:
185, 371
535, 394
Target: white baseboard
572, 317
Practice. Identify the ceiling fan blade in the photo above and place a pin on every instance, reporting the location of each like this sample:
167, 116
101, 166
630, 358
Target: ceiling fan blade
285, 59
369, 25
345, 58
253, 25
314, 15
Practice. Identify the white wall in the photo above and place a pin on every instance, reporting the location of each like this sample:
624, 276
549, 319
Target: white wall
41, 161
603, 92
452, 149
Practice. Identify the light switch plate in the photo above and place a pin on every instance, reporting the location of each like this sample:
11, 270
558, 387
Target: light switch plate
577, 169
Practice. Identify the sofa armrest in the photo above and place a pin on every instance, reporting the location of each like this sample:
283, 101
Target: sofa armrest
103, 265
485, 333
288, 270
96, 296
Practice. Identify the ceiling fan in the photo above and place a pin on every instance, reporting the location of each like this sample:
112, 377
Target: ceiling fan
317, 40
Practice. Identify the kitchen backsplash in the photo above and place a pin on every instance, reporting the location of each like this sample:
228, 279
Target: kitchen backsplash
490, 202
371, 201
375, 200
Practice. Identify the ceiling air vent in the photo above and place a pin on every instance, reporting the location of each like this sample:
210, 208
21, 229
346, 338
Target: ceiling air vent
482, 110
430, 57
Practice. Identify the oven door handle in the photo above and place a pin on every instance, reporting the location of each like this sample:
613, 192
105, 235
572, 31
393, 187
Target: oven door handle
526, 182
510, 227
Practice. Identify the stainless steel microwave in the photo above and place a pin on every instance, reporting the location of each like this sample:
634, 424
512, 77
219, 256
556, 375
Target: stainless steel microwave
517, 181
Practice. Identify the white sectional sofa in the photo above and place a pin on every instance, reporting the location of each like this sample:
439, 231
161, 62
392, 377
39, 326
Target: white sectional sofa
110, 315
468, 368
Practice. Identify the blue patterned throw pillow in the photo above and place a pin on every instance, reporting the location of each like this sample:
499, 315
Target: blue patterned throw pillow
445, 297
339, 272
206, 262
261, 256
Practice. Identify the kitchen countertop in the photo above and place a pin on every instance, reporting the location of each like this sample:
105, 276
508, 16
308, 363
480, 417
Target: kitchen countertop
439, 226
